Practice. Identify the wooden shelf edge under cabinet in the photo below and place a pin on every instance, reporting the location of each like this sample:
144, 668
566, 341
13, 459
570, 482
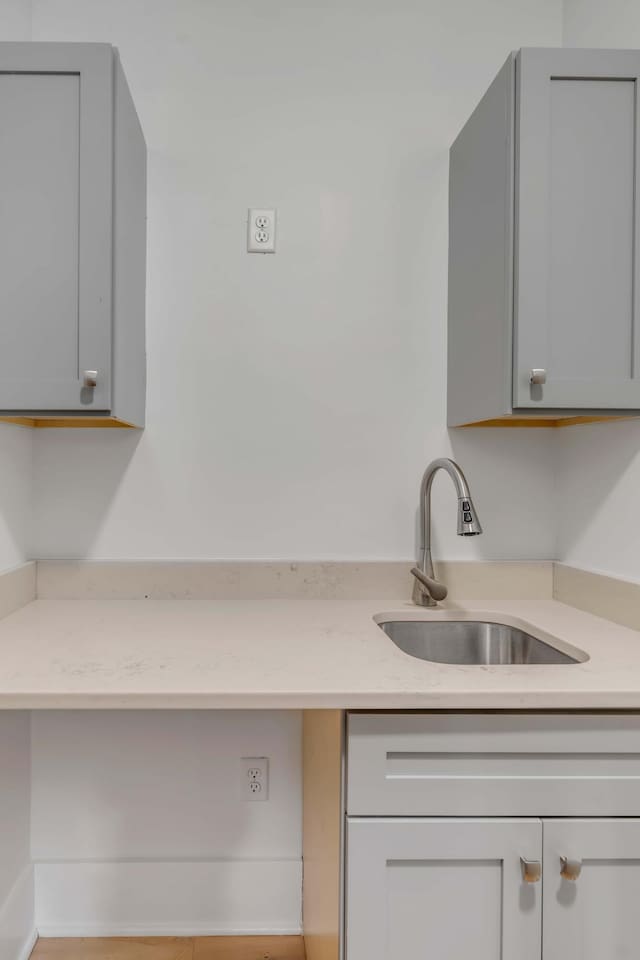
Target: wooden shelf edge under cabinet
39, 423
541, 422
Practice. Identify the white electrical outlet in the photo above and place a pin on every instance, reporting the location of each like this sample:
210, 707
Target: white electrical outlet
254, 780
261, 231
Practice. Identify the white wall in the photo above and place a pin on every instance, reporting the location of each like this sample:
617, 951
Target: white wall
16, 463
601, 23
599, 464
294, 400
598, 483
15, 20
139, 826
16, 875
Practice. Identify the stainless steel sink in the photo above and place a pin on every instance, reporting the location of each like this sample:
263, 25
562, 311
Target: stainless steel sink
471, 641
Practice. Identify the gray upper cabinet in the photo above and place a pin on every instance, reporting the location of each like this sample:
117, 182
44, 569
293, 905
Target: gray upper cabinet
543, 246
72, 237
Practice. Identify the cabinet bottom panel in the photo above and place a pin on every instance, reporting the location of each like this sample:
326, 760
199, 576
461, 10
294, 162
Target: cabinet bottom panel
539, 420
86, 422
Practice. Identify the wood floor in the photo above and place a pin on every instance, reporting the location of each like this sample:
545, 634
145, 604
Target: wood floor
171, 948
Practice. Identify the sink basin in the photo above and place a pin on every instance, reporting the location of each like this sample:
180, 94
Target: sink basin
471, 641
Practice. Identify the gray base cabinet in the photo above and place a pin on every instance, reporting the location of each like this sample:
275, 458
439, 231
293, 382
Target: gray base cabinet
495, 885
72, 236
544, 260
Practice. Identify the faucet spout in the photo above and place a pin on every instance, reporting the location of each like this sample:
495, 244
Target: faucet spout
427, 594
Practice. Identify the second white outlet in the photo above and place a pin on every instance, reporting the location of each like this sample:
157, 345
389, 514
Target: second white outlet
255, 778
261, 231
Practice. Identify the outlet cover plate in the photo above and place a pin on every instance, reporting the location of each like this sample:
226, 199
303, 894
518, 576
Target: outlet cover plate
261, 230
254, 779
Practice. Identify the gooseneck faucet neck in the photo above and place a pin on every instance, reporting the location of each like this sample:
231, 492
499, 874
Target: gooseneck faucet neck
462, 489
427, 590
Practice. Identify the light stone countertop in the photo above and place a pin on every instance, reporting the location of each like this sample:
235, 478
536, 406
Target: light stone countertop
301, 653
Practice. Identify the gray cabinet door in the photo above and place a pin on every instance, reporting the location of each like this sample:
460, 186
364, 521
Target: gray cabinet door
447, 889
576, 267
596, 915
56, 159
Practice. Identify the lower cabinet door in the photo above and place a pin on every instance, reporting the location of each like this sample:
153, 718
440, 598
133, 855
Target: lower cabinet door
593, 911
439, 889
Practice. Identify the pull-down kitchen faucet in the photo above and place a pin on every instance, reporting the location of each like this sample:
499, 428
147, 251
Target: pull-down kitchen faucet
426, 589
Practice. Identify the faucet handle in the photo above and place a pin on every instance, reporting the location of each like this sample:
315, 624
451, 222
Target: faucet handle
435, 589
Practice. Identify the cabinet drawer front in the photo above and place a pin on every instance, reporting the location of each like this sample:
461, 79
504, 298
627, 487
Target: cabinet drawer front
493, 765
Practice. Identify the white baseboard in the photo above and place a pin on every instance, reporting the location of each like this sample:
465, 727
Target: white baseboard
103, 930
28, 946
203, 898
17, 928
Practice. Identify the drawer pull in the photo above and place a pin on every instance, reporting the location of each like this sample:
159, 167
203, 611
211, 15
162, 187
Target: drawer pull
570, 869
531, 870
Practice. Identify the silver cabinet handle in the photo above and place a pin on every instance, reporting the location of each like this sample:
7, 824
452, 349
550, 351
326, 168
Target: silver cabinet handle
570, 869
90, 378
531, 870
538, 375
